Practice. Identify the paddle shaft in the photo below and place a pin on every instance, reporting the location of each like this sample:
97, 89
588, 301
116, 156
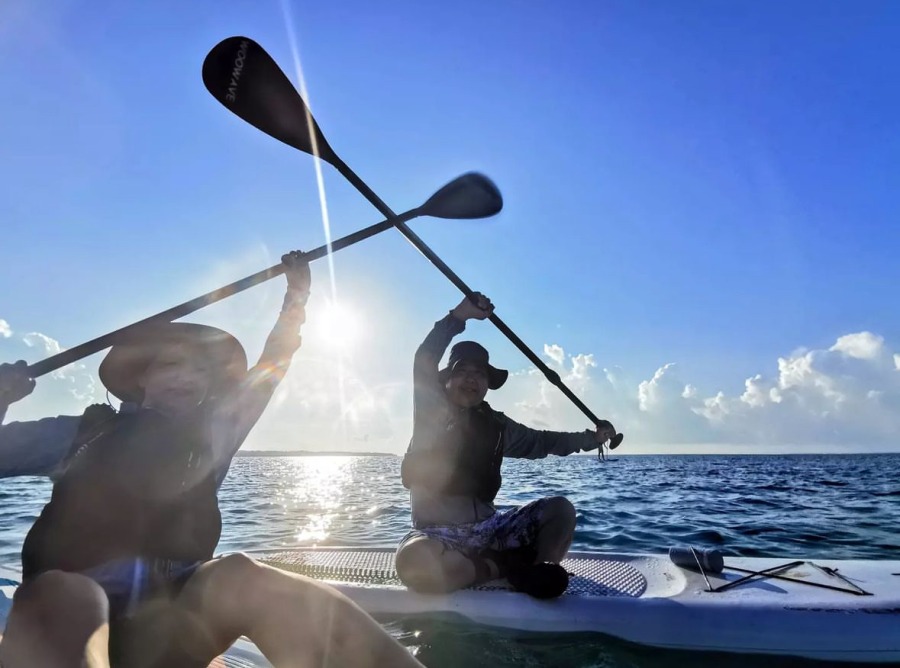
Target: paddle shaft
60, 360
247, 81
423, 248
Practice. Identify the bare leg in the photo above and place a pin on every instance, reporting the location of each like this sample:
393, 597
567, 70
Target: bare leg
557, 528
59, 620
426, 566
295, 621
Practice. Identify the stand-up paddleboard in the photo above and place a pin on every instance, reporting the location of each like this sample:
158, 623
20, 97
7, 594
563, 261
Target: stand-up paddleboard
820, 609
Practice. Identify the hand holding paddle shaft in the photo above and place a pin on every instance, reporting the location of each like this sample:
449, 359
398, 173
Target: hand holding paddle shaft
247, 81
468, 196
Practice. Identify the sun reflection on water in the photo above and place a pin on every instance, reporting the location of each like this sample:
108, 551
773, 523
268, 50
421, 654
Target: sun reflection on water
319, 484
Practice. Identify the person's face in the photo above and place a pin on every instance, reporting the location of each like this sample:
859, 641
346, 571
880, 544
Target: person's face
177, 380
467, 384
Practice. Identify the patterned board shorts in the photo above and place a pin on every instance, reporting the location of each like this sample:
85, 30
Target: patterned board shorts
504, 530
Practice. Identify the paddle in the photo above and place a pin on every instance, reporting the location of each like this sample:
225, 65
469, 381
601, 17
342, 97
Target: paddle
247, 81
471, 195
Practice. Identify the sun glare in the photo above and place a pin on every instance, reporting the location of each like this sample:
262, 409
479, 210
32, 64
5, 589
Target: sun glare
339, 326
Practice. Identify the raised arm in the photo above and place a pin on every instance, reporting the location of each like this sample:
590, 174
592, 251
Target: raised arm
419, 468
427, 390
246, 404
284, 339
428, 354
30, 448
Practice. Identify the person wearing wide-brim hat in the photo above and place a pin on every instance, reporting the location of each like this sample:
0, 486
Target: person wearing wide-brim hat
219, 355
126, 542
452, 469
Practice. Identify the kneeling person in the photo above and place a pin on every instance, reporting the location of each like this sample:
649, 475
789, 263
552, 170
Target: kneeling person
452, 469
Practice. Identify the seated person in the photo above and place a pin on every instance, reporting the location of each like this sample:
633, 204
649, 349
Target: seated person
452, 469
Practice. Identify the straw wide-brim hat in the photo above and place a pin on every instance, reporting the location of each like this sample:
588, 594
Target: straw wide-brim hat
122, 368
470, 351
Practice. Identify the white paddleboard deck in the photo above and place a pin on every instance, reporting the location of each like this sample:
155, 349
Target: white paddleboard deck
646, 599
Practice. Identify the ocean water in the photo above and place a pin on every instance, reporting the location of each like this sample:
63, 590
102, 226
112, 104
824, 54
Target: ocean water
836, 506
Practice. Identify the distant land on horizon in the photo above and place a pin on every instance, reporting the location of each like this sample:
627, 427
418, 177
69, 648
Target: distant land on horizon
310, 453
591, 455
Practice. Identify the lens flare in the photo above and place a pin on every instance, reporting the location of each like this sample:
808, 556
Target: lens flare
339, 326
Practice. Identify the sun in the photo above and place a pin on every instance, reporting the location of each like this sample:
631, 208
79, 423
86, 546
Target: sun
339, 326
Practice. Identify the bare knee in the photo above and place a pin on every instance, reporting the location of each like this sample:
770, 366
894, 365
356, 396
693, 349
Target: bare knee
55, 619
415, 563
225, 585
557, 529
559, 510
218, 604
231, 569
59, 596
420, 567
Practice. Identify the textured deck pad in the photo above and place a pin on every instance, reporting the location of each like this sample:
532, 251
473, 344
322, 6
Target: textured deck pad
589, 576
238, 662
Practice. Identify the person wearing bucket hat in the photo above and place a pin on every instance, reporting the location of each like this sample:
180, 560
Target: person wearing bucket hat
452, 470
118, 570
469, 352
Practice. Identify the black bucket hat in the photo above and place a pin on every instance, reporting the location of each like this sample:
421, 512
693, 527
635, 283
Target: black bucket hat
469, 351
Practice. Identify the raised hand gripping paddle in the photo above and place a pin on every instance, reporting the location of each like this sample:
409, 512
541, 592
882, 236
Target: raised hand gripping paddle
246, 80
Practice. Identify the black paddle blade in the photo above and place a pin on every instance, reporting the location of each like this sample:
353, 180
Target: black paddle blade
471, 195
616, 441
246, 80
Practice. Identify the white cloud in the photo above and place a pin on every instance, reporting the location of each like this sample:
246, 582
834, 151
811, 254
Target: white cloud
863, 345
5, 329
756, 392
659, 390
48, 345
538, 408
846, 395
555, 353
581, 365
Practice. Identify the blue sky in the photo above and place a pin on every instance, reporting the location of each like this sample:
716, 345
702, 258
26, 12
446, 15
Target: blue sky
692, 193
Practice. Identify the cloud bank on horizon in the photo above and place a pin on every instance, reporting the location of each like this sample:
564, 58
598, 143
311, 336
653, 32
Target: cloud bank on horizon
845, 397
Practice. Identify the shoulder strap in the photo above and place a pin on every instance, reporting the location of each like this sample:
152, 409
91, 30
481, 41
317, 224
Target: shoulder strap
96, 420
